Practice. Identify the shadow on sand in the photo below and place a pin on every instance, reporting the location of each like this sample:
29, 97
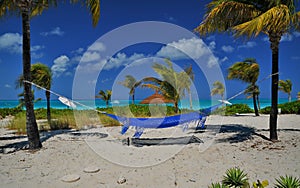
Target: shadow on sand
44, 136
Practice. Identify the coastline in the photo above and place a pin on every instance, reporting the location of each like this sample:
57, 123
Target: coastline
56, 104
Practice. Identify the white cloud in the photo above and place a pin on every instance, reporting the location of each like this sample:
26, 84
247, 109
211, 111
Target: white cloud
11, 42
97, 46
78, 51
122, 59
296, 34
286, 38
90, 57
7, 86
55, 31
212, 45
60, 65
227, 49
248, 44
211, 37
193, 47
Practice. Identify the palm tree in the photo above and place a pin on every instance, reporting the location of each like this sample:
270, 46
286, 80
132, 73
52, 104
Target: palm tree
298, 96
247, 71
174, 84
286, 87
218, 89
41, 75
106, 96
22, 101
250, 18
27, 9
129, 82
189, 71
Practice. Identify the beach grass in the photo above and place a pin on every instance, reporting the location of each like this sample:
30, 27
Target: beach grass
80, 119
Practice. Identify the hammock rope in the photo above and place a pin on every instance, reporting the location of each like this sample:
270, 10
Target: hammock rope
140, 124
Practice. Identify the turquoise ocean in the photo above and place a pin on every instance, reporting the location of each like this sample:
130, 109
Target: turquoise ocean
91, 104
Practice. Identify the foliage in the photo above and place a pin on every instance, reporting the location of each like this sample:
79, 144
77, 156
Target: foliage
286, 87
106, 96
218, 89
19, 123
9, 111
234, 109
259, 184
287, 182
250, 18
247, 71
235, 177
286, 108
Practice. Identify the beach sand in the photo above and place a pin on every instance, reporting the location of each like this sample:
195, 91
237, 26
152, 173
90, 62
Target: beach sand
233, 141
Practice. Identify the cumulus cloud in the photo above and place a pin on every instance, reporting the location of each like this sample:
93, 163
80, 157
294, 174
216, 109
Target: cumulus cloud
60, 65
193, 47
249, 44
227, 49
7, 86
212, 45
11, 42
189, 48
121, 59
286, 38
55, 31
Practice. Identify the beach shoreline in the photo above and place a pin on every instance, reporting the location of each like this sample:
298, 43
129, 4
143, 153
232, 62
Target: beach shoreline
231, 141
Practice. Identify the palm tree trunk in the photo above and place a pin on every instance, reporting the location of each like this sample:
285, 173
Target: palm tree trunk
274, 39
176, 106
258, 102
290, 98
255, 104
191, 101
48, 107
132, 98
31, 125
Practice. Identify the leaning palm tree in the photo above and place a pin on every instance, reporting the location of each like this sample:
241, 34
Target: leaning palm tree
106, 96
28, 9
189, 71
174, 84
218, 89
286, 87
41, 75
247, 71
129, 82
250, 18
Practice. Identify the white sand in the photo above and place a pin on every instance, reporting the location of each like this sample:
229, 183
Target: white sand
195, 165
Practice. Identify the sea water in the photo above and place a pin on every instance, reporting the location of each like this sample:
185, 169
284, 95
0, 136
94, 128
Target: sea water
92, 104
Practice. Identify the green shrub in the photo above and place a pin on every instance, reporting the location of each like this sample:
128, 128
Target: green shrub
233, 109
236, 178
286, 108
287, 182
9, 111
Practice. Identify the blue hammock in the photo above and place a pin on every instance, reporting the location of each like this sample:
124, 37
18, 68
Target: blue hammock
164, 122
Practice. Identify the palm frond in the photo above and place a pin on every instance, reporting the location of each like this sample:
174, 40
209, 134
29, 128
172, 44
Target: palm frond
223, 15
275, 20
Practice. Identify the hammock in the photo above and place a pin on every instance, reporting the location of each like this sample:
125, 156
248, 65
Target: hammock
141, 123
184, 120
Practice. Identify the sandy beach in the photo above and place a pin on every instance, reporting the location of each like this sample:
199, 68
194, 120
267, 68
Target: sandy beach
97, 157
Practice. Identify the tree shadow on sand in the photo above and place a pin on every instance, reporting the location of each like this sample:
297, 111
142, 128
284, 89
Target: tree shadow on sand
44, 136
239, 133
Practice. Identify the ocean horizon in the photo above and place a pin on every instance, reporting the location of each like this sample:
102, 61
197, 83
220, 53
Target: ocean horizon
92, 104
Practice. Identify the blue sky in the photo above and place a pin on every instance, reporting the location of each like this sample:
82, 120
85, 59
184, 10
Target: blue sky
63, 38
